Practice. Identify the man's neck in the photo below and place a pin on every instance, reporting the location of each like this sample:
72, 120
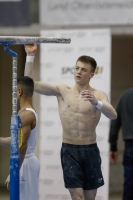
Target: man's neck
80, 88
25, 103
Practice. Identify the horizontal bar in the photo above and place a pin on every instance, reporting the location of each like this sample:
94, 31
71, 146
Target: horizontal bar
31, 40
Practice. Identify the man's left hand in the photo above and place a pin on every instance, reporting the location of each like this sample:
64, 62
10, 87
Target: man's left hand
89, 96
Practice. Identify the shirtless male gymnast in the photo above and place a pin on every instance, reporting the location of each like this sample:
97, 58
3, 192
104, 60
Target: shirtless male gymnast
80, 108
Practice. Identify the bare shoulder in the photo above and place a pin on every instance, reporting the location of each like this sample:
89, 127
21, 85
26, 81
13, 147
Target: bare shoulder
62, 86
100, 94
27, 117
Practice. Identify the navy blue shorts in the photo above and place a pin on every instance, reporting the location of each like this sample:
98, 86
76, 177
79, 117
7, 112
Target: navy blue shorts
81, 166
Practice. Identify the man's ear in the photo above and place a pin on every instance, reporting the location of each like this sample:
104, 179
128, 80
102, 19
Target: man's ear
91, 75
20, 91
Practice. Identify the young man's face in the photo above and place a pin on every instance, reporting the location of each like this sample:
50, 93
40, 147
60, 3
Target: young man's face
83, 73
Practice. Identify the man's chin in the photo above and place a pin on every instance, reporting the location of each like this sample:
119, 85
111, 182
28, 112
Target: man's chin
79, 82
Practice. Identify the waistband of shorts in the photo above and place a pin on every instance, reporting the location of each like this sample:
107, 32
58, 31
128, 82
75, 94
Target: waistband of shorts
79, 146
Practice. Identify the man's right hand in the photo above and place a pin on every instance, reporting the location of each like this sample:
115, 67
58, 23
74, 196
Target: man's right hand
113, 156
31, 49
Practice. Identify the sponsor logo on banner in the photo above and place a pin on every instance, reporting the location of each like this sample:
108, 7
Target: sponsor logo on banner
92, 49
59, 50
48, 65
78, 34
67, 70
86, 12
84, 6
99, 70
70, 70
81, 34
50, 34
99, 34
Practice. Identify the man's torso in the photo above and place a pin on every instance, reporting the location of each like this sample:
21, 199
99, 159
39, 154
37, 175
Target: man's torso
79, 118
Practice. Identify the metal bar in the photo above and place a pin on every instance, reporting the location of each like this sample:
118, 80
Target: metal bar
11, 40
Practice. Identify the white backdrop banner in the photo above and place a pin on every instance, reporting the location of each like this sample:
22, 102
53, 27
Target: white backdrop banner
57, 66
86, 12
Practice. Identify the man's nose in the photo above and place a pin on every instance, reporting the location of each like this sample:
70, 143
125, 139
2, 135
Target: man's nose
79, 71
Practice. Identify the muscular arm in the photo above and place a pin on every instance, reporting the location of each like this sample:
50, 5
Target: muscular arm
107, 109
5, 141
39, 87
27, 119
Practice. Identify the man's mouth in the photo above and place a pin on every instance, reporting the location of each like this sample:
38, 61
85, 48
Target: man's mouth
78, 77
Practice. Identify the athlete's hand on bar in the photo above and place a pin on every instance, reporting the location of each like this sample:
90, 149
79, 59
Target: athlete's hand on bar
31, 49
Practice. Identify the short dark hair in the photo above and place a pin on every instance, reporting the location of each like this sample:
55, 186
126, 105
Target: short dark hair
27, 84
89, 60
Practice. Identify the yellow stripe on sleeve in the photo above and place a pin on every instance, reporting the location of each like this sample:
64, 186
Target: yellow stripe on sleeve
20, 137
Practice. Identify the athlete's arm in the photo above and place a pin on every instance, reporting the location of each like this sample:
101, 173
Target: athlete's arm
5, 141
101, 103
107, 109
39, 87
27, 118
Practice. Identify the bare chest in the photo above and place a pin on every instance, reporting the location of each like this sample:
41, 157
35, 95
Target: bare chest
74, 103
